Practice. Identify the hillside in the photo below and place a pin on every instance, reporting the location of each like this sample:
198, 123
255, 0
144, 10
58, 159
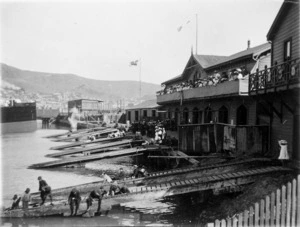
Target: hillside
49, 83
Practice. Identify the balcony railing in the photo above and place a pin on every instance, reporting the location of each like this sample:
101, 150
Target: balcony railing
284, 74
227, 88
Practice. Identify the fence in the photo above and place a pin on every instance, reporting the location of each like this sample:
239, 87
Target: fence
280, 209
239, 139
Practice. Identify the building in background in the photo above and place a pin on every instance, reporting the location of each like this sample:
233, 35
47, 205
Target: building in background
145, 111
86, 106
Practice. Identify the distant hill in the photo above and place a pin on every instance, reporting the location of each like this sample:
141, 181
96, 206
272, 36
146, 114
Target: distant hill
48, 83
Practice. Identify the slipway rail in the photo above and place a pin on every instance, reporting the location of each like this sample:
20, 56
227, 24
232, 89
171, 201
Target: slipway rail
155, 192
90, 149
89, 158
157, 178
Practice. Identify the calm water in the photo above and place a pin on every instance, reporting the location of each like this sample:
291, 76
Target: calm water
23, 149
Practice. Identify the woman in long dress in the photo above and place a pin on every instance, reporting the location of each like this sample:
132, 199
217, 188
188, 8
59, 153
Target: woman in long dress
284, 155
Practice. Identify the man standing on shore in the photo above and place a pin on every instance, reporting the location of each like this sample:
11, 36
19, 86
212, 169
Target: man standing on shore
74, 200
45, 190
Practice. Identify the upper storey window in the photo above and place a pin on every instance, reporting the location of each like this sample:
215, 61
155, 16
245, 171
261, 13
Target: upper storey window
287, 50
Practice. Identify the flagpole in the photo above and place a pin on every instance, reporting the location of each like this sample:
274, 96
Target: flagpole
196, 33
140, 74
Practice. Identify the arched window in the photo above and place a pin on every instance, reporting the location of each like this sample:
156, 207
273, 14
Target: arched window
195, 115
186, 116
207, 115
223, 115
241, 115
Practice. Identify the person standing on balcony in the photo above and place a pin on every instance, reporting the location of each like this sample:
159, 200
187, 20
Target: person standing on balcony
284, 155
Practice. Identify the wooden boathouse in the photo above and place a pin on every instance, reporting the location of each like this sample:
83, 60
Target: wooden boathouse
276, 88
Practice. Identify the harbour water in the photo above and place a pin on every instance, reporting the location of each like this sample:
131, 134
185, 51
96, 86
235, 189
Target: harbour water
20, 150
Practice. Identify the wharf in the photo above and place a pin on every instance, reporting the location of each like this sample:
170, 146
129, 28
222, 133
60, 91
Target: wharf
80, 143
91, 149
80, 160
76, 132
96, 133
225, 181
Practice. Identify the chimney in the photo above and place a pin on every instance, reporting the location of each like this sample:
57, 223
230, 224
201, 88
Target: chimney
248, 44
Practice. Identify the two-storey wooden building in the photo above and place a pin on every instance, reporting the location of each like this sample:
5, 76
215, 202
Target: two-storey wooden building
214, 90
276, 88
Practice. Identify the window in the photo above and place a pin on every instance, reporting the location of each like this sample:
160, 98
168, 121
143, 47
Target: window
129, 116
287, 50
186, 116
223, 115
169, 114
207, 115
136, 115
153, 113
195, 115
241, 115
145, 113
176, 116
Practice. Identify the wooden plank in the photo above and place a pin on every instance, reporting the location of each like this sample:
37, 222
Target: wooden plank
229, 222
234, 222
256, 214
283, 205
223, 223
272, 210
298, 201
277, 222
251, 216
246, 218
240, 223
288, 204
217, 223
267, 218
293, 218
262, 213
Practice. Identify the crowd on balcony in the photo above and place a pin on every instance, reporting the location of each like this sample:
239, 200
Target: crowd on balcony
211, 80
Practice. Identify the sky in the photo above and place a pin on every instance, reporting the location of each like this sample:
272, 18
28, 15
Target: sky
99, 39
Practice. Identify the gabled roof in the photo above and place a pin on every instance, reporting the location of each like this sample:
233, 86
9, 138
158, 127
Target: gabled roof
282, 12
243, 54
148, 104
208, 60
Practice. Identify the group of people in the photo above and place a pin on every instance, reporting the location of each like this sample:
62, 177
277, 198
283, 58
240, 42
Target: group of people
211, 80
117, 134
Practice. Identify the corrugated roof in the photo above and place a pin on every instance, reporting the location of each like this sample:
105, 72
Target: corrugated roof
148, 104
244, 53
208, 60
172, 79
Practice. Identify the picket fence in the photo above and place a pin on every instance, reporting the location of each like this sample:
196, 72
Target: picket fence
281, 209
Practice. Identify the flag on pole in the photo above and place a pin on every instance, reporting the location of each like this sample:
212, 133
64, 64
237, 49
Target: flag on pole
133, 63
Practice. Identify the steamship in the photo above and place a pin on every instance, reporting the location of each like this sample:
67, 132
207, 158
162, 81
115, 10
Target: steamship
18, 117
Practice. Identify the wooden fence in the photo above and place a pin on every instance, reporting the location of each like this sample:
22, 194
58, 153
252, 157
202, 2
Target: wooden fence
280, 209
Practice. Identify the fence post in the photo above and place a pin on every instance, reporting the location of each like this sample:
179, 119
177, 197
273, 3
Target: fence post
272, 221
217, 223
267, 217
246, 218
251, 213
234, 222
288, 204
223, 223
228, 222
277, 208
240, 224
293, 220
283, 205
298, 201
262, 212
256, 214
